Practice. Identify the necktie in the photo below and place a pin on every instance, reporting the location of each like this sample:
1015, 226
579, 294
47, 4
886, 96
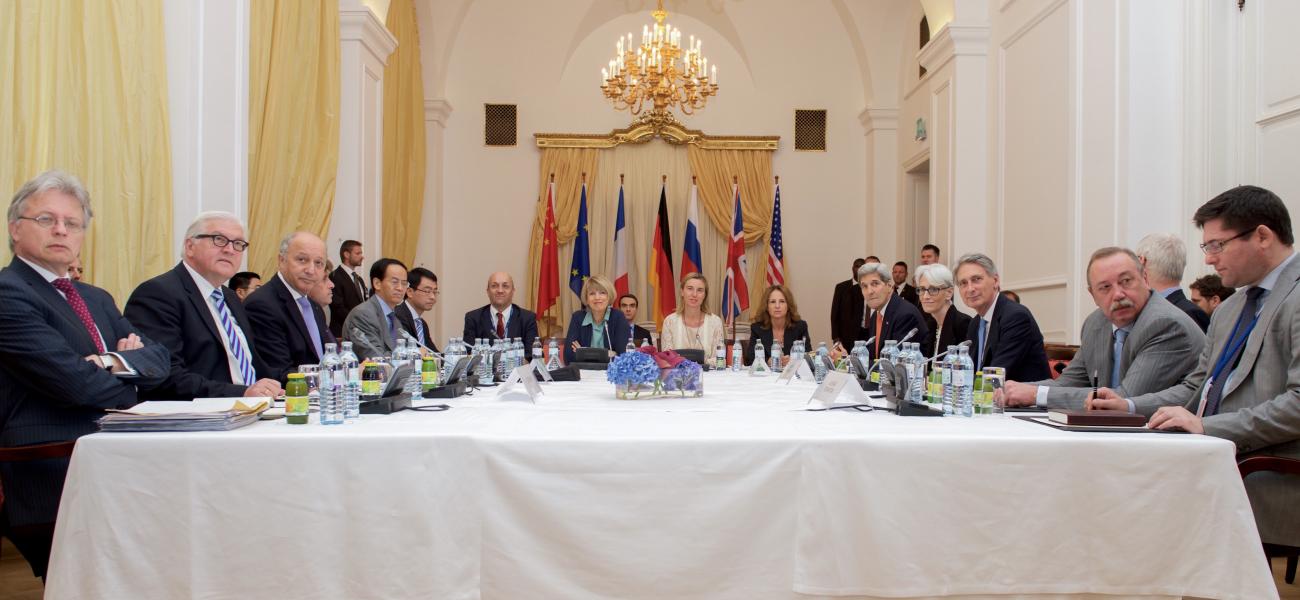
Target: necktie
419, 328
984, 325
1117, 354
501, 327
64, 285
309, 319
880, 324
1232, 350
236, 349
392, 327
361, 285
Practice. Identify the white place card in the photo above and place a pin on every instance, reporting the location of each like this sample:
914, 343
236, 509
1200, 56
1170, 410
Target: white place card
540, 367
835, 384
520, 385
793, 369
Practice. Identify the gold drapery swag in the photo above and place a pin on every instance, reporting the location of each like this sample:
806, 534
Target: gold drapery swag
293, 123
404, 150
83, 89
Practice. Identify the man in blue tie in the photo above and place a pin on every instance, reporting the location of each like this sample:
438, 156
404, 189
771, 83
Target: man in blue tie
1004, 333
1246, 384
1136, 341
421, 296
373, 326
201, 321
289, 329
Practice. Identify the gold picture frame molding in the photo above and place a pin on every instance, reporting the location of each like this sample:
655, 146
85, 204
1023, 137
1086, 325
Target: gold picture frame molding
642, 131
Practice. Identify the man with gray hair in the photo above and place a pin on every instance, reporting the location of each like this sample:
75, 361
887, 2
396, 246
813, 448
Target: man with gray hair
892, 317
1004, 333
1164, 258
290, 328
202, 323
66, 354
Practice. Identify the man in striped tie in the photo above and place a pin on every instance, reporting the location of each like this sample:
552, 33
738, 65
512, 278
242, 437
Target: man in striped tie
201, 321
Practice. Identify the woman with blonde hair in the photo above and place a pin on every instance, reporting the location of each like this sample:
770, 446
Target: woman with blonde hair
597, 325
776, 321
690, 327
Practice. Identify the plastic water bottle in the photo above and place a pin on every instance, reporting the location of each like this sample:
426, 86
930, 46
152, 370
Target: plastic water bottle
819, 365
796, 351
963, 377
352, 385
537, 349
645, 343
450, 357
737, 356
759, 366
630, 347
776, 357
519, 352
916, 374
553, 360
498, 355
331, 387
399, 354
945, 379
481, 349
719, 357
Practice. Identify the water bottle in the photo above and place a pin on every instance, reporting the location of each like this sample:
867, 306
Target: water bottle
450, 357
916, 374
518, 348
737, 356
352, 386
498, 355
482, 350
719, 357
537, 349
776, 357
413, 387
796, 351
331, 387
759, 366
963, 377
945, 379
553, 360
631, 346
645, 343
819, 365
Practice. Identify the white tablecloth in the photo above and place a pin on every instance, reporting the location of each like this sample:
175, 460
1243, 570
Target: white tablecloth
739, 494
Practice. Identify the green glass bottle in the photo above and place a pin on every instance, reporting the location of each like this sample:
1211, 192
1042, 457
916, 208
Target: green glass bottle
296, 405
429, 373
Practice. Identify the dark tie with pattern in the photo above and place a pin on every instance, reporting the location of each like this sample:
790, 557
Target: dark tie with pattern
78, 304
501, 327
361, 285
1232, 350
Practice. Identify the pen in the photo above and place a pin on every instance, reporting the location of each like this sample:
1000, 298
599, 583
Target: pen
1088, 405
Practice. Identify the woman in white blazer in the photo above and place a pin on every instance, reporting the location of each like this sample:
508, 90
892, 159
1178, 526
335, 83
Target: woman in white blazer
690, 326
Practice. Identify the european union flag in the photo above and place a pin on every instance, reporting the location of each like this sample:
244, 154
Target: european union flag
581, 266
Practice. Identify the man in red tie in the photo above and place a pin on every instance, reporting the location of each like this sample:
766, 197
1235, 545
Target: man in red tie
501, 318
66, 354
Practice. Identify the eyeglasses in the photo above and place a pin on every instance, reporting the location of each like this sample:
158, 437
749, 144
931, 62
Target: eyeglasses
932, 291
1213, 247
400, 284
222, 241
48, 221
427, 291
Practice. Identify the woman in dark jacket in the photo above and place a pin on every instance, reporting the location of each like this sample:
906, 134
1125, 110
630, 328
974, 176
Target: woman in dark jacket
597, 326
776, 321
934, 286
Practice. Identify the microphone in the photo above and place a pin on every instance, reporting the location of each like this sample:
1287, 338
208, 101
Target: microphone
410, 339
965, 344
908, 336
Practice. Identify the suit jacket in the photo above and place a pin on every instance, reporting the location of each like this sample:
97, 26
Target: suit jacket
950, 333
797, 330
900, 317
522, 324
1013, 342
1260, 407
282, 339
908, 293
346, 298
407, 319
1162, 346
172, 311
617, 333
48, 391
367, 329
1178, 299
846, 312
641, 334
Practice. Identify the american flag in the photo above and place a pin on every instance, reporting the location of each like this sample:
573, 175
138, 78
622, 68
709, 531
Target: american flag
735, 294
775, 247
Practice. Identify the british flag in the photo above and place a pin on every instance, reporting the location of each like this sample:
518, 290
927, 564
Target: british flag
735, 294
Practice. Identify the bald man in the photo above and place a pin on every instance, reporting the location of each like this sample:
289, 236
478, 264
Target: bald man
501, 318
290, 328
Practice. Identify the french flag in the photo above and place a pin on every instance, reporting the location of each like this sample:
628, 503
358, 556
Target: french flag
735, 294
620, 246
691, 247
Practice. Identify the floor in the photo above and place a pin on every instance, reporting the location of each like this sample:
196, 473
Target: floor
17, 583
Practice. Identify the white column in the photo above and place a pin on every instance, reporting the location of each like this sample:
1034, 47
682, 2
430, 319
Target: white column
880, 126
207, 96
429, 252
364, 48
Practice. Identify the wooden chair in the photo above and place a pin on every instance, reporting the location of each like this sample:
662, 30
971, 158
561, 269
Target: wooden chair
26, 453
1277, 464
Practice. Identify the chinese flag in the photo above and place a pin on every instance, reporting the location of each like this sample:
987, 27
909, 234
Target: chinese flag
548, 275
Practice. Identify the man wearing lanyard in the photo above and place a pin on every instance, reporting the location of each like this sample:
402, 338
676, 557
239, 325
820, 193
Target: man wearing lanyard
1244, 387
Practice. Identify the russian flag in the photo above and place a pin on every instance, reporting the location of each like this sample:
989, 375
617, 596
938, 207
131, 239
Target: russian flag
620, 246
691, 247
735, 294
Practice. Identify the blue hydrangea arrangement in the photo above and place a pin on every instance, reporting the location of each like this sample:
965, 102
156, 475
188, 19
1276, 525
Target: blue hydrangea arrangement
654, 373
684, 378
632, 369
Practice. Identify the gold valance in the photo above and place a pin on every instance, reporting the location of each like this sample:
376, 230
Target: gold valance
643, 131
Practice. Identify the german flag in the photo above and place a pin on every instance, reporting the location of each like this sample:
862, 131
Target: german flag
661, 263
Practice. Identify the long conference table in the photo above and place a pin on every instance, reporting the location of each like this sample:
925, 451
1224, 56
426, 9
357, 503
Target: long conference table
739, 494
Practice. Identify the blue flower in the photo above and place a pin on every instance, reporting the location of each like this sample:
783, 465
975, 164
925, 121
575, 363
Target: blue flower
684, 377
632, 368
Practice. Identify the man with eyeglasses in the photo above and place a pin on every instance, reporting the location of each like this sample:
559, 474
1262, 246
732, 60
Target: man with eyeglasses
290, 328
202, 323
1136, 341
1246, 384
373, 326
66, 355
421, 295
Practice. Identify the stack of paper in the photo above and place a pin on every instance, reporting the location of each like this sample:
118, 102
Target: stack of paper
201, 414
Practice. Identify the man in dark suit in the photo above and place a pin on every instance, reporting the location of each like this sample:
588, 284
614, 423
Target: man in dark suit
66, 354
1244, 386
244, 283
628, 304
1164, 259
892, 317
902, 287
847, 312
501, 318
1004, 332
200, 321
421, 295
349, 285
290, 328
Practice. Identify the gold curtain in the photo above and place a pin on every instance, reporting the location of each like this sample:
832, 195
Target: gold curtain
83, 88
293, 122
404, 152
715, 169
568, 165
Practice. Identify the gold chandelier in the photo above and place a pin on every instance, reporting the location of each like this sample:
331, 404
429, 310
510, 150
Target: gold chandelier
660, 72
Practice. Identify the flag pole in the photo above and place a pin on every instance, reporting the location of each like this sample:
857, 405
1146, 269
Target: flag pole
735, 181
